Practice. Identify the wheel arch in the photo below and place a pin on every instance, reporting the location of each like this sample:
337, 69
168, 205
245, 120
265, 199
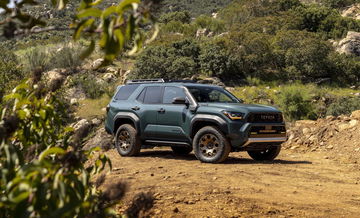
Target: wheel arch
200, 121
126, 118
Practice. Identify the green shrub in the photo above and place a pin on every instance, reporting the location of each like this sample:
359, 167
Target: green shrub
180, 16
295, 102
66, 57
36, 59
338, 3
216, 60
10, 70
175, 61
41, 58
88, 83
343, 106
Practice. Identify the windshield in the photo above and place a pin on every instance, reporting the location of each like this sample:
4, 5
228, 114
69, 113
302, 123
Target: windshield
204, 94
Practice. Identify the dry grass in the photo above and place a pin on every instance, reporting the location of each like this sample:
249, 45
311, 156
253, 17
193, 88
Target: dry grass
91, 108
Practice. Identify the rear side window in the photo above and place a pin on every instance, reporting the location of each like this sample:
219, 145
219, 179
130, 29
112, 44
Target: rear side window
125, 92
153, 95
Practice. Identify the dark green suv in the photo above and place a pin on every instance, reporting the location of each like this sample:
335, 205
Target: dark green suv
189, 116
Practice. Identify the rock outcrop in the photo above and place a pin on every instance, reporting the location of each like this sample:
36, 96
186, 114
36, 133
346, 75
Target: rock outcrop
353, 11
350, 44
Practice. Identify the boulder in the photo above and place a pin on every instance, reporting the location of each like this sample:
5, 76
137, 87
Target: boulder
97, 63
55, 78
353, 11
356, 115
96, 121
350, 44
202, 33
74, 101
112, 70
109, 77
81, 124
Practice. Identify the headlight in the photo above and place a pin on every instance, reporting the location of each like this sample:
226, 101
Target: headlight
234, 115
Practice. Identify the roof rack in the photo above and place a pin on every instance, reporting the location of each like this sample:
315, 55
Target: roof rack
141, 81
137, 81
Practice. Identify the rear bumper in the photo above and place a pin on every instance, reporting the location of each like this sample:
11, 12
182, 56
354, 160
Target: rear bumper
264, 140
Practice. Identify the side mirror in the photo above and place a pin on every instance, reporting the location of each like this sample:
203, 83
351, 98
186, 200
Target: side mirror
180, 100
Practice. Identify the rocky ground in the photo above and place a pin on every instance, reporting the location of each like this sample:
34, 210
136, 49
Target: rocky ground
316, 175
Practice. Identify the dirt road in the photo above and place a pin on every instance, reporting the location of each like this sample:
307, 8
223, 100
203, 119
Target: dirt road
295, 185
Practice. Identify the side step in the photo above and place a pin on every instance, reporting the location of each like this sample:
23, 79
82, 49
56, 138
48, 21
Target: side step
167, 143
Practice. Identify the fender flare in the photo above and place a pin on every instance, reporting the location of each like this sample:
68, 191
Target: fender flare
209, 118
128, 115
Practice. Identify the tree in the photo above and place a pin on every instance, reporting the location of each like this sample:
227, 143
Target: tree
116, 27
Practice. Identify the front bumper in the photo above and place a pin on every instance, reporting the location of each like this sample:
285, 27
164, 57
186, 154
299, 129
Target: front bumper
253, 134
264, 140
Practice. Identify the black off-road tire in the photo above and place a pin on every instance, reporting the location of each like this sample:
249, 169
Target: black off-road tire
127, 142
210, 145
266, 155
181, 150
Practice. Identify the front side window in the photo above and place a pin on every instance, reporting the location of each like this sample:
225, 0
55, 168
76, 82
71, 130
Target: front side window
153, 95
172, 92
211, 94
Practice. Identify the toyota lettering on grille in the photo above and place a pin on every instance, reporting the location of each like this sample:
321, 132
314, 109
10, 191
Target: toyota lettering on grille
268, 117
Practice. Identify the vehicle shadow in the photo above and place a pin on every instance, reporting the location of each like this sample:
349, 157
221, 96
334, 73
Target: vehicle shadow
231, 160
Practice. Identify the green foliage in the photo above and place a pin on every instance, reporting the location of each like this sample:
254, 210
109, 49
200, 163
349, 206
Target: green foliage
92, 87
43, 173
42, 59
343, 106
339, 3
65, 57
295, 102
194, 7
179, 16
10, 71
212, 24
116, 27
175, 61
217, 61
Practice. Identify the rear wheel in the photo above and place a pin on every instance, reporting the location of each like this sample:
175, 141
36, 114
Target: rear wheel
269, 154
181, 150
210, 145
127, 142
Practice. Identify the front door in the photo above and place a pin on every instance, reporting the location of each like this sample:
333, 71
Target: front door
173, 118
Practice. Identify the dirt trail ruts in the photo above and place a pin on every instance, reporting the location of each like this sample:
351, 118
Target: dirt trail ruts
294, 185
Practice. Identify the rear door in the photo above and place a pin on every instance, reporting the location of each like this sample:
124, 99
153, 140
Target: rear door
147, 108
173, 117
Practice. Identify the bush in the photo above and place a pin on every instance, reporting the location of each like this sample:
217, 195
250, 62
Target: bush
179, 16
175, 61
10, 71
295, 102
36, 59
343, 106
216, 60
88, 82
41, 59
66, 57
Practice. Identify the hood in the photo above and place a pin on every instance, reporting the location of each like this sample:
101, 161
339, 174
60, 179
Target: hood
244, 108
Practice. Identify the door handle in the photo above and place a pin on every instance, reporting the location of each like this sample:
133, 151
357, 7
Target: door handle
136, 108
162, 110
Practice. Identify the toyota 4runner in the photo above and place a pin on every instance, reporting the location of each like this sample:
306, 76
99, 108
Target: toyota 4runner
188, 116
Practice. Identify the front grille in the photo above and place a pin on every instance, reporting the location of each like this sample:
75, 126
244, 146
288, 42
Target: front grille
267, 131
265, 118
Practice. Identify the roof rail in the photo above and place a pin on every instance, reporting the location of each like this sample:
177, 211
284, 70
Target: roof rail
180, 81
139, 81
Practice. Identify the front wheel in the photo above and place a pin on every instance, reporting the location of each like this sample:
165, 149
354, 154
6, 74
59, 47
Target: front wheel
269, 154
210, 145
127, 142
